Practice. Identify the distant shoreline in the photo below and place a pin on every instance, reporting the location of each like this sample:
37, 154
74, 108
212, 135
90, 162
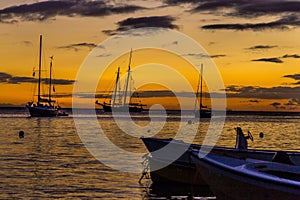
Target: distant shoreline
229, 112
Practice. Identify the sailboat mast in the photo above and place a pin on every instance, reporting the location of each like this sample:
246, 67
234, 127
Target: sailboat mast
116, 87
201, 86
40, 68
197, 93
128, 76
50, 80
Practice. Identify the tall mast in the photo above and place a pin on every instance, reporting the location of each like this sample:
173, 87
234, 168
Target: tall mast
128, 76
50, 80
197, 93
116, 87
201, 86
40, 68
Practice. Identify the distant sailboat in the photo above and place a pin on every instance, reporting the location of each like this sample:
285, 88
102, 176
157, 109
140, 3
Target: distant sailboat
119, 105
44, 107
203, 111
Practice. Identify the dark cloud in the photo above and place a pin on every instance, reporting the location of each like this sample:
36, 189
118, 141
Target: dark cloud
253, 92
276, 60
177, 2
291, 56
243, 27
272, 60
247, 8
293, 76
254, 101
201, 55
154, 93
197, 55
143, 22
275, 104
59, 81
283, 23
9, 79
41, 11
7, 20
149, 94
214, 5
296, 77
273, 7
217, 56
258, 47
78, 46
21, 79
104, 55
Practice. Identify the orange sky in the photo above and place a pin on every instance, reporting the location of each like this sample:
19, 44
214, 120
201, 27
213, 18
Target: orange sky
254, 44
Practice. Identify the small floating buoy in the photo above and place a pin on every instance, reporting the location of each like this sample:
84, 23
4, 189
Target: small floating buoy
21, 134
261, 134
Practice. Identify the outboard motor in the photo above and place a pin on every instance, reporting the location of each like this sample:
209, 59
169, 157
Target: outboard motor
241, 142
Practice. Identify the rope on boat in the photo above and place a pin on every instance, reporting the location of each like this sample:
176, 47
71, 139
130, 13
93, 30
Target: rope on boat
146, 168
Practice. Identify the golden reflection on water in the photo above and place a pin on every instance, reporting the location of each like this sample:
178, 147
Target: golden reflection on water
51, 161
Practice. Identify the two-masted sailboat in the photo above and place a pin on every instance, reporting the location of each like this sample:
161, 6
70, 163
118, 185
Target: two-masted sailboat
44, 107
203, 111
119, 102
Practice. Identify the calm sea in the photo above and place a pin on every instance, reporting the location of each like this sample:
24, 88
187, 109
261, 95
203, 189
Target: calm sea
52, 162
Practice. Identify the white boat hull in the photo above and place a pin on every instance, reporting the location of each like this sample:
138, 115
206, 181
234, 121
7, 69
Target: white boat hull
231, 178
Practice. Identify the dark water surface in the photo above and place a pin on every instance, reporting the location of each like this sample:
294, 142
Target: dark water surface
51, 161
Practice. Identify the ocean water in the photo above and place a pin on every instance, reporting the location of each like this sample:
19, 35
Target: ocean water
51, 161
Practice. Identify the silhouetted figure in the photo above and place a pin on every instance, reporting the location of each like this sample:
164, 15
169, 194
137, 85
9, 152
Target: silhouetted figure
241, 140
21, 134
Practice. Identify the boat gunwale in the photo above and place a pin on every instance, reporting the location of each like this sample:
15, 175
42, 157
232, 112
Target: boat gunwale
198, 147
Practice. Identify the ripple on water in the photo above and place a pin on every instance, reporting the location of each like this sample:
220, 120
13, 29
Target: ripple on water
51, 161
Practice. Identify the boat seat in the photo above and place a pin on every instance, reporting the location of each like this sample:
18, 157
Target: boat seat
282, 157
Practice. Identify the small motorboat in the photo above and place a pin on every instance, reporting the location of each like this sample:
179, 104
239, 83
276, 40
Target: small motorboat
246, 178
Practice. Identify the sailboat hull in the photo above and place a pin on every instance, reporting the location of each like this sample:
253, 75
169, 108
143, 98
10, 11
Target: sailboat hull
203, 114
42, 111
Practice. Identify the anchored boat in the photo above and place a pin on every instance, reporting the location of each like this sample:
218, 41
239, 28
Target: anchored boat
119, 101
45, 105
204, 111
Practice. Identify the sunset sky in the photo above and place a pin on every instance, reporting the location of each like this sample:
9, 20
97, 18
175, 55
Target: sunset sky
254, 43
